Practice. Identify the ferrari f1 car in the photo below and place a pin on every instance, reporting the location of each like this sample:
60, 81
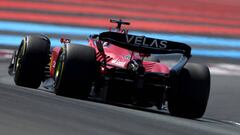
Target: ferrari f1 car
112, 67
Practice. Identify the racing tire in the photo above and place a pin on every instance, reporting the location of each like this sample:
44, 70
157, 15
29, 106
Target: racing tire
31, 60
75, 71
189, 99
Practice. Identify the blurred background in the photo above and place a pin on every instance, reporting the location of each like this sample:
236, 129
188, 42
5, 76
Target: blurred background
212, 28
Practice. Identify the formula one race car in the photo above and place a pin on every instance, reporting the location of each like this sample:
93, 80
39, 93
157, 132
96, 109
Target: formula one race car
112, 67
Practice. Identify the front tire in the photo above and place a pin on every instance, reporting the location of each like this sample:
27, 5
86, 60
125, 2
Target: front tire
189, 99
31, 60
76, 70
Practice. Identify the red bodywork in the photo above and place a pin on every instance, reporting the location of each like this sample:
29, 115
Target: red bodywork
55, 53
116, 56
120, 57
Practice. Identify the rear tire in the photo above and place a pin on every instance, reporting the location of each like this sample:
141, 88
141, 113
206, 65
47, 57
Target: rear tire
76, 70
32, 58
189, 99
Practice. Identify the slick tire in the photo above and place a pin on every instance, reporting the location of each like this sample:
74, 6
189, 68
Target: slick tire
31, 60
75, 71
189, 99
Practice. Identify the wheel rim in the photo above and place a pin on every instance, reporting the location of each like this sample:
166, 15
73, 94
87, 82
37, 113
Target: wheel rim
21, 53
58, 70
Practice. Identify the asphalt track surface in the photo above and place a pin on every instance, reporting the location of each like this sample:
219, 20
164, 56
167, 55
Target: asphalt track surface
26, 111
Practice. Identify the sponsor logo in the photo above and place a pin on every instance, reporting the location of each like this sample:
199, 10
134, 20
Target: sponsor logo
118, 62
127, 57
148, 42
53, 64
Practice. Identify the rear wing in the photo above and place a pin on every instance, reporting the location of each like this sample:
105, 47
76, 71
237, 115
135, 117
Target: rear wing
144, 44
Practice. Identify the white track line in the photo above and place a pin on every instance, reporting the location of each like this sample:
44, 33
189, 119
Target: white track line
6, 53
225, 69
216, 69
